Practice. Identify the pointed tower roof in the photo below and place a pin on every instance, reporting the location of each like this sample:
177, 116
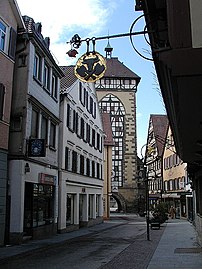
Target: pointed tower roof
108, 50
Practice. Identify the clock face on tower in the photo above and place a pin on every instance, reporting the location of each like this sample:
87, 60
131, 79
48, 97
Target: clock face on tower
36, 148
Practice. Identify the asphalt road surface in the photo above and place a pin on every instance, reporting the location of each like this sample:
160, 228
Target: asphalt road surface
111, 248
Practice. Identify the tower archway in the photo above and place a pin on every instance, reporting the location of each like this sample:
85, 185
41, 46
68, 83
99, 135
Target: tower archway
121, 203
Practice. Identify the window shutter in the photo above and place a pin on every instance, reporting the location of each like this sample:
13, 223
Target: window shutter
2, 93
12, 43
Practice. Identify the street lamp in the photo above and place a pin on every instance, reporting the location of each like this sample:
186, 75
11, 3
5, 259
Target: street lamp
143, 176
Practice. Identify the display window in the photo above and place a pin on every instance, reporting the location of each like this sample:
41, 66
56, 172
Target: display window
39, 205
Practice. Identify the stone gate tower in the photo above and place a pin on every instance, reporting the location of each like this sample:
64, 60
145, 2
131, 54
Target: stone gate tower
116, 93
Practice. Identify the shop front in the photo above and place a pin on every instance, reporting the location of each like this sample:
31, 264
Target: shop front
39, 207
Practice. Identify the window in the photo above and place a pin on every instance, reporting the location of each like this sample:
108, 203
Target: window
54, 87
91, 105
94, 111
37, 67
75, 122
44, 128
93, 169
70, 121
82, 94
82, 129
2, 36
34, 123
88, 133
2, 93
86, 99
52, 135
68, 159
93, 138
81, 164
43, 204
98, 170
98, 141
74, 161
46, 77
87, 167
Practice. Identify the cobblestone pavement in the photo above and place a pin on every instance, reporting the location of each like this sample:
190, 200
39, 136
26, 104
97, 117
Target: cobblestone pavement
118, 243
138, 254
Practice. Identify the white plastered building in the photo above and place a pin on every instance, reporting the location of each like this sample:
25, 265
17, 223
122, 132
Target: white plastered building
80, 156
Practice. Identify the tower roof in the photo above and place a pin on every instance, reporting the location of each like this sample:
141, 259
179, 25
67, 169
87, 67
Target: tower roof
117, 69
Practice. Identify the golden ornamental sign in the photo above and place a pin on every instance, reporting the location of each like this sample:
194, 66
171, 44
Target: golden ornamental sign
90, 67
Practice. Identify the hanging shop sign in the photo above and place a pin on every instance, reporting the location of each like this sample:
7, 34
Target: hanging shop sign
90, 67
36, 148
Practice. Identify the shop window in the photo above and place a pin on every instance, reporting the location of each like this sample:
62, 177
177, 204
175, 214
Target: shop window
39, 205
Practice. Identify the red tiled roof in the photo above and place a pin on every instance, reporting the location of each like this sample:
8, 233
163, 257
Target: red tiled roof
108, 141
160, 126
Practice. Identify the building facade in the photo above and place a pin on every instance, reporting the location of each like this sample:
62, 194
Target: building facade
34, 130
157, 130
116, 93
175, 179
10, 22
176, 45
81, 155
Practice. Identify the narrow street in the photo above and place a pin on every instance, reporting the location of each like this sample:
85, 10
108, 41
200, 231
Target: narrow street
98, 249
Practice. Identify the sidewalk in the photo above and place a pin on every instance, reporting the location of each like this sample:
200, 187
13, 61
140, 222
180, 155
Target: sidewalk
177, 247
